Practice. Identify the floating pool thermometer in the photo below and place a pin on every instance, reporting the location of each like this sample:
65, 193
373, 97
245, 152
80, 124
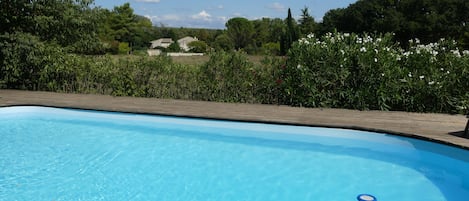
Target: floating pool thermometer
366, 197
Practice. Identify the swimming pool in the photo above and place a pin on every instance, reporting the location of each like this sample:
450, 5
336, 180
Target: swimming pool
65, 154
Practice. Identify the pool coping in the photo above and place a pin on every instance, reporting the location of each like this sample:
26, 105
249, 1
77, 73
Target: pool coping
441, 128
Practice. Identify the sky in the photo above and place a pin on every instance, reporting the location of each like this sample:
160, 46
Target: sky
214, 13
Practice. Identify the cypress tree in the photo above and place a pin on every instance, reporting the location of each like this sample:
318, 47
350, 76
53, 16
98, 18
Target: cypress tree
290, 35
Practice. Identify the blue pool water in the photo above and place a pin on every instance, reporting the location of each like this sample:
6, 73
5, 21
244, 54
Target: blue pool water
62, 154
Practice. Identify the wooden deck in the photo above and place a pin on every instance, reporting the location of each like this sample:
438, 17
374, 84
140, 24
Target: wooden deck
442, 128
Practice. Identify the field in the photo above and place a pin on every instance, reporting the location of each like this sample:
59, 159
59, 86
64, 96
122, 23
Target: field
199, 60
191, 60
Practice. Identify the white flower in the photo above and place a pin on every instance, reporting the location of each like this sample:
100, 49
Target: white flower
342, 51
410, 74
376, 60
302, 41
376, 51
421, 77
456, 53
382, 74
346, 34
359, 40
363, 49
431, 82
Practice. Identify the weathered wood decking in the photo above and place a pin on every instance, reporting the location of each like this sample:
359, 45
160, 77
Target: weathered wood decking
437, 127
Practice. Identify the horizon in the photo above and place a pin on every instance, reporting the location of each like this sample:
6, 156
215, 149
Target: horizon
214, 14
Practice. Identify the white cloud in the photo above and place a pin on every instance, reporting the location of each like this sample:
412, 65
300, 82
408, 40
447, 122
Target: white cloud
169, 17
148, 1
173, 17
222, 18
220, 6
203, 15
238, 15
277, 6
202, 19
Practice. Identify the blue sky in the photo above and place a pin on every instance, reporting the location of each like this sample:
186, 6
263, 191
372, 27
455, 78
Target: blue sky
214, 13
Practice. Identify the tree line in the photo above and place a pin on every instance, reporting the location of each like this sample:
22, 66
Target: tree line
80, 27
426, 20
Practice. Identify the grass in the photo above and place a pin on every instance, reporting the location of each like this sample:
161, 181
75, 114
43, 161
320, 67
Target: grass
199, 60
191, 60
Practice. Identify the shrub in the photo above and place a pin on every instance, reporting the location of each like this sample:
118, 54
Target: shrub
227, 77
124, 48
24, 60
337, 70
198, 46
372, 72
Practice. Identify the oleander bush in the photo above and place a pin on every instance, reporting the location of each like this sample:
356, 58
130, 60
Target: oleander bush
372, 72
338, 70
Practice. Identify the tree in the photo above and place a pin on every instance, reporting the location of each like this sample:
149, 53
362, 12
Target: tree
290, 35
174, 47
198, 46
428, 20
271, 48
331, 21
121, 20
276, 28
223, 42
261, 31
71, 24
307, 23
241, 31
122, 25
15, 15
143, 32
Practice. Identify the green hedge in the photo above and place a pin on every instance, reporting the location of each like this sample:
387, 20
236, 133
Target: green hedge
372, 72
336, 70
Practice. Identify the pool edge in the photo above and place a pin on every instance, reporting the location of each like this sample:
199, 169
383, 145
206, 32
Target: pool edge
428, 126
358, 128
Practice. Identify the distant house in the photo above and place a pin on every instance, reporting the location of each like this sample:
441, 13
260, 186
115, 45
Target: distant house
184, 42
162, 42
153, 52
156, 45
